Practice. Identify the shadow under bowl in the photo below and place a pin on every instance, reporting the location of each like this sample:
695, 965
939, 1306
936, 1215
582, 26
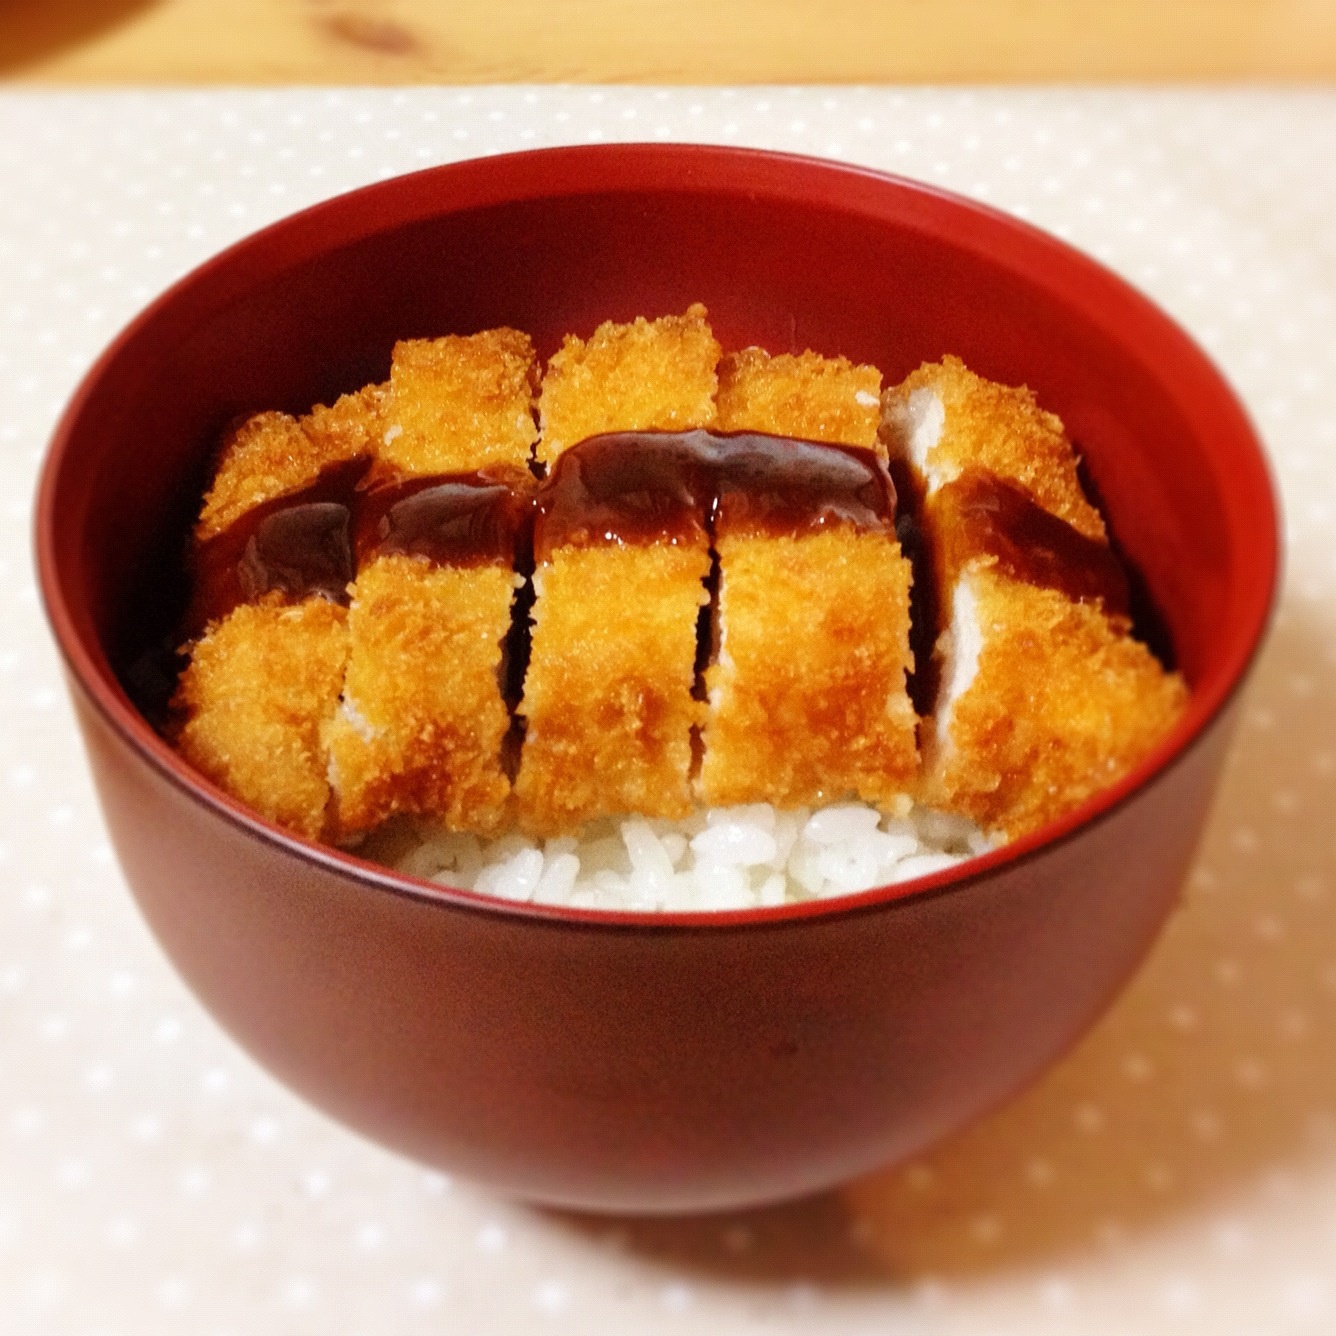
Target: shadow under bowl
671, 1062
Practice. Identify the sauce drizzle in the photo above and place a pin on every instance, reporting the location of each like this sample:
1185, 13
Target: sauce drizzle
627, 488
981, 514
296, 545
466, 519
676, 487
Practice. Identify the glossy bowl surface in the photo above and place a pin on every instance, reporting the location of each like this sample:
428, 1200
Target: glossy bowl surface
616, 1061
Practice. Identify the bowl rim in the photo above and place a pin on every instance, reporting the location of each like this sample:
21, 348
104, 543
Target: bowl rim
628, 166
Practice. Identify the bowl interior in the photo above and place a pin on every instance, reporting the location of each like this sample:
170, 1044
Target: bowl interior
786, 253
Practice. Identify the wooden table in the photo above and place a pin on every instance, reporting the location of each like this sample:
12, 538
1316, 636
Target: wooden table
663, 41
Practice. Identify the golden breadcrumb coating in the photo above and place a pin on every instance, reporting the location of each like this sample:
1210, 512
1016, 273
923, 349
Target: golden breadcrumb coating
1061, 705
330, 720
607, 697
352, 425
807, 396
258, 690
271, 454
422, 720
460, 403
807, 697
650, 375
995, 427
1045, 698
608, 694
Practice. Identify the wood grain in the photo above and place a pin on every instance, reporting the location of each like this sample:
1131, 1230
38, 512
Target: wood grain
667, 41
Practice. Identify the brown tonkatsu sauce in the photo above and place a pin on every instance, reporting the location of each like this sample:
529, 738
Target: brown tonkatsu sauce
628, 488
648, 486
981, 514
296, 545
311, 542
466, 519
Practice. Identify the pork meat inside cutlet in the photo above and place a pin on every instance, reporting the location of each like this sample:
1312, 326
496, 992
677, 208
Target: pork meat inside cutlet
943, 419
608, 704
423, 717
263, 678
807, 698
1045, 697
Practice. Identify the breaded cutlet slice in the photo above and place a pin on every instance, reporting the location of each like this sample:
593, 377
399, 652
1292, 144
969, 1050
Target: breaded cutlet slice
649, 375
264, 679
254, 699
1044, 696
422, 721
459, 403
943, 419
815, 398
608, 704
608, 694
1046, 702
807, 698
423, 716
269, 455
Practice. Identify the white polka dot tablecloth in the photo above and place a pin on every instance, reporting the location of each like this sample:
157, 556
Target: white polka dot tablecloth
1176, 1173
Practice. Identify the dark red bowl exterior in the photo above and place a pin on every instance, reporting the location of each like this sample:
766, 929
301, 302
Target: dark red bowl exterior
676, 1062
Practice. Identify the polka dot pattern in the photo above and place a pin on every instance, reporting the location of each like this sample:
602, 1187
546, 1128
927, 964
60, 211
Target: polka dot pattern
1176, 1172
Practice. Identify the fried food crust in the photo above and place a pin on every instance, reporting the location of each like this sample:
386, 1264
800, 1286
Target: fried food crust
807, 697
460, 403
253, 701
1062, 704
423, 719
649, 375
607, 698
806, 396
996, 427
272, 454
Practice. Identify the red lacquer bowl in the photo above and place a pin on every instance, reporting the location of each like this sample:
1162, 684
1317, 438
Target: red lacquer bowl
677, 1062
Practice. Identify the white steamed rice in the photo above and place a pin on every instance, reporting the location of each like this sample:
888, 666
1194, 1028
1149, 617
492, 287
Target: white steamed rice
725, 858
